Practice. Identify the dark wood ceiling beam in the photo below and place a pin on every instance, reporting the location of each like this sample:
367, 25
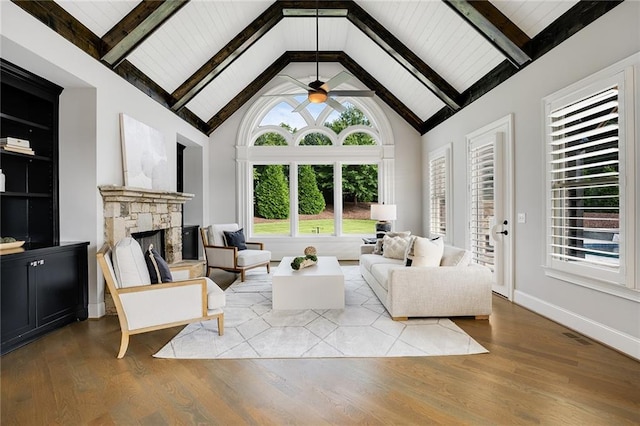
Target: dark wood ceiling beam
59, 20
572, 21
310, 56
62, 22
381, 91
134, 28
248, 92
225, 57
404, 56
494, 26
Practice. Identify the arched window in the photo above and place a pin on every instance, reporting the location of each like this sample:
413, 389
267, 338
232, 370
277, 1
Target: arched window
312, 175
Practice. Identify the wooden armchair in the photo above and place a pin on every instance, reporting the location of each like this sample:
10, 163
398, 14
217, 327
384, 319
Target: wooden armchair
229, 258
143, 306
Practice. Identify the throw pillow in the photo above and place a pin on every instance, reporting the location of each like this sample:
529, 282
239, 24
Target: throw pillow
159, 271
454, 256
379, 248
235, 239
427, 252
394, 247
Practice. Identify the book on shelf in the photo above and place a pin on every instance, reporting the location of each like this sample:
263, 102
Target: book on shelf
9, 141
19, 149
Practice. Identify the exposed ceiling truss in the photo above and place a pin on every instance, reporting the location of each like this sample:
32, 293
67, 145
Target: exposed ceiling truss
146, 17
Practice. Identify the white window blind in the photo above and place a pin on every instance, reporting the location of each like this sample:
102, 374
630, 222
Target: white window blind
481, 163
438, 195
583, 162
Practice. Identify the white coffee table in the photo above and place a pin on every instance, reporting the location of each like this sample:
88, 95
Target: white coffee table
315, 287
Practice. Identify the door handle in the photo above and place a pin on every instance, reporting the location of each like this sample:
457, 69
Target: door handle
504, 232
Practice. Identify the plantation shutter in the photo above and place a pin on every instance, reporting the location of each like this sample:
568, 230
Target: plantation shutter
481, 162
438, 199
584, 180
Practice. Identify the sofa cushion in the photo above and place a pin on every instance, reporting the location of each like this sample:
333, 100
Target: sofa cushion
368, 260
394, 247
427, 252
253, 257
380, 272
454, 256
129, 265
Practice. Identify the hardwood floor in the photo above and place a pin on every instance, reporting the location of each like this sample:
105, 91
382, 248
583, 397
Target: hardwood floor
534, 374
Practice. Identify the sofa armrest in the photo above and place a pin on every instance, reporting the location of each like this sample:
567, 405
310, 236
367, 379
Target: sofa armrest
254, 245
158, 304
440, 290
367, 248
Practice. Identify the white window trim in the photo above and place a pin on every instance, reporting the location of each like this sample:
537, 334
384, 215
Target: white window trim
338, 154
624, 283
445, 152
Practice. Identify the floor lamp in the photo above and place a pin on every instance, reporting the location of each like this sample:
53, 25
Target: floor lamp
384, 214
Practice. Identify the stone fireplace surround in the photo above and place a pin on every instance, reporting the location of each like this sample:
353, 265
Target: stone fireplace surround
130, 210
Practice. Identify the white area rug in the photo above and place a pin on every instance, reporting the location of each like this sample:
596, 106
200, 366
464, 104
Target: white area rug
362, 329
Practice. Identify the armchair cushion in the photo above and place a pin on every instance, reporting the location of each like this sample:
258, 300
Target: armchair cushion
129, 264
215, 233
159, 271
235, 239
252, 257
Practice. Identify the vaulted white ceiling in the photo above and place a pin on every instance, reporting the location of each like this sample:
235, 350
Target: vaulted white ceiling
377, 38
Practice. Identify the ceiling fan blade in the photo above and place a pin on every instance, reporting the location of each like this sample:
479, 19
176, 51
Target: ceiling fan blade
353, 93
337, 80
285, 94
302, 106
296, 82
335, 105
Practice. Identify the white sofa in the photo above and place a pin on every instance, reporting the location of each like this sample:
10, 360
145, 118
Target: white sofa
456, 288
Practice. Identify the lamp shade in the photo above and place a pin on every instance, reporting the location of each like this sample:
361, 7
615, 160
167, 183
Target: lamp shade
383, 212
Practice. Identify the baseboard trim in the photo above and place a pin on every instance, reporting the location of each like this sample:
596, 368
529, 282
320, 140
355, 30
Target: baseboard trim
604, 334
96, 310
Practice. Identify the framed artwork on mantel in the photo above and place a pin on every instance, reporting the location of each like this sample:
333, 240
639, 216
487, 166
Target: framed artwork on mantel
144, 156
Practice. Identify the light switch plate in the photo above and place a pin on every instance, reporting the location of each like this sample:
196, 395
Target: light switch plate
522, 218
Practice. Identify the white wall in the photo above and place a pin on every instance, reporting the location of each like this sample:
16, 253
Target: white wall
615, 36
408, 175
88, 115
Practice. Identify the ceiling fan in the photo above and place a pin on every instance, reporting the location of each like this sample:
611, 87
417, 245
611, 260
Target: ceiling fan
319, 91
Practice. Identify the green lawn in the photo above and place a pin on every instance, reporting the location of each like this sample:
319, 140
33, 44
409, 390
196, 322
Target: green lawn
326, 226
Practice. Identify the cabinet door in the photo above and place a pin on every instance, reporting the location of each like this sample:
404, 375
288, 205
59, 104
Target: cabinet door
17, 299
59, 292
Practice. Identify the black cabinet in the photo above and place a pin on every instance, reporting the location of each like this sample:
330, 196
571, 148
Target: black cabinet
41, 290
190, 238
29, 111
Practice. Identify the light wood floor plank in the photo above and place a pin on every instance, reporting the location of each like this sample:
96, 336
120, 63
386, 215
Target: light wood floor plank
534, 374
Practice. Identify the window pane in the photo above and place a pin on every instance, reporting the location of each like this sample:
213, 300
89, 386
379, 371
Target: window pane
438, 196
359, 138
270, 139
271, 200
283, 115
359, 190
315, 139
583, 154
315, 200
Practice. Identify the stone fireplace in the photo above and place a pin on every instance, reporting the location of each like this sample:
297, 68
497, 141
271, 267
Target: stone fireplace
136, 210
139, 211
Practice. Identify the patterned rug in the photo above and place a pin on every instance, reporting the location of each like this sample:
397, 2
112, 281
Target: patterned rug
362, 329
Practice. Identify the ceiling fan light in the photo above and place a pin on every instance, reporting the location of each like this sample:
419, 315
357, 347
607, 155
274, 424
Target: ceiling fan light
317, 97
